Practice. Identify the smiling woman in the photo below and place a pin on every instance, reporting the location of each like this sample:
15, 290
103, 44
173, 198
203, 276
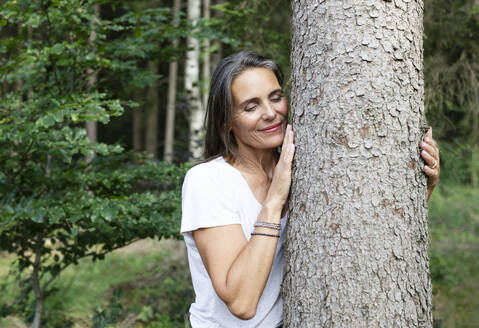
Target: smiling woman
260, 110
234, 203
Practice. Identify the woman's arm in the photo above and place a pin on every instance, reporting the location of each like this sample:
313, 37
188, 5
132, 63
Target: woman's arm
239, 269
430, 154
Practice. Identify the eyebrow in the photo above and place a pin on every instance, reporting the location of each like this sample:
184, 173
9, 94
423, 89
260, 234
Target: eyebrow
256, 98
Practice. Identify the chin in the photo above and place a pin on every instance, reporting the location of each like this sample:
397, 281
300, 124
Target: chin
270, 144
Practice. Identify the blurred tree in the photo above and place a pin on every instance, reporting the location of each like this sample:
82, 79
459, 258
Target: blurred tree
192, 87
206, 71
258, 25
451, 71
172, 85
55, 207
151, 118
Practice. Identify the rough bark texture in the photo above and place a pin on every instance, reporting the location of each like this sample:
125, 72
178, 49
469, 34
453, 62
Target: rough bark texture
192, 76
356, 254
170, 108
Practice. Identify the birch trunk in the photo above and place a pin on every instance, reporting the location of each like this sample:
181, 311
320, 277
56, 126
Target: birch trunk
192, 75
151, 119
170, 109
206, 55
356, 254
37, 289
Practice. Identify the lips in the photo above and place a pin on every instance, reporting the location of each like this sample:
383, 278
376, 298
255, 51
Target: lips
272, 128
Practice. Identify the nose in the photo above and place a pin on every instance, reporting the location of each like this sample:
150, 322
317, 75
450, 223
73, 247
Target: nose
268, 113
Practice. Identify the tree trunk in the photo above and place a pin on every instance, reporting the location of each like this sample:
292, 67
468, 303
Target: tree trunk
192, 74
137, 121
356, 253
151, 121
170, 110
206, 56
217, 44
38, 292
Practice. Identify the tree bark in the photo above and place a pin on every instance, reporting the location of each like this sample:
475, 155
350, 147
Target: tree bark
170, 110
151, 122
356, 252
192, 75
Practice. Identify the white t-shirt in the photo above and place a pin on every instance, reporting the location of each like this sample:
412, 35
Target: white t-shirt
216, 194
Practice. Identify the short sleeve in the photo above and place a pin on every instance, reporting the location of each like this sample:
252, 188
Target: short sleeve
208, 199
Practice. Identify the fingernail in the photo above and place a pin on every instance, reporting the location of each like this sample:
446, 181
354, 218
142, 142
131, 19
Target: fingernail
423, 144
427, 139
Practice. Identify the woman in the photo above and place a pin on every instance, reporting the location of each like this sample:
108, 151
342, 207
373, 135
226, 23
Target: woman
234, 203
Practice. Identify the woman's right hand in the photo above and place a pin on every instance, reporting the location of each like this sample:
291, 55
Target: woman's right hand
281, 182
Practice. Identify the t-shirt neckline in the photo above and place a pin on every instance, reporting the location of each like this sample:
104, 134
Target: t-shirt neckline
245, 183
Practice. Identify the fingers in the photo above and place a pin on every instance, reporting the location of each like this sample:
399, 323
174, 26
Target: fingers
429, 133
429, 150
433, 174
430, 160
429, 139
287, 149
292, 147
290, 155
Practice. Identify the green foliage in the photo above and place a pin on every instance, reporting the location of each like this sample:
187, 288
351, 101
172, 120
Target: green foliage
62, 197
454, 290
454, 213
147, 283
454, 256
258, 25
451, 70
104, 317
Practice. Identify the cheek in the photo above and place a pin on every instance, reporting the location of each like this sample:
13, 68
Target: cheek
283, 108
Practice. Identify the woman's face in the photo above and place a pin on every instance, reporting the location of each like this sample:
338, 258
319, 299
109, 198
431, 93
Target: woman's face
260, 109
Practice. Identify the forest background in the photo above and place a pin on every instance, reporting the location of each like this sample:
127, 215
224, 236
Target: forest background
81, 213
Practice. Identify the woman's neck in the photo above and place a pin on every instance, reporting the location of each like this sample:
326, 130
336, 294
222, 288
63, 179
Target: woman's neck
258, 162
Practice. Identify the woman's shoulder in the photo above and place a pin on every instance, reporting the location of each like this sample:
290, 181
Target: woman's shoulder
216, 169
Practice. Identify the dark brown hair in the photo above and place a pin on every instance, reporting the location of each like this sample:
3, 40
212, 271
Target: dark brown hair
220, 140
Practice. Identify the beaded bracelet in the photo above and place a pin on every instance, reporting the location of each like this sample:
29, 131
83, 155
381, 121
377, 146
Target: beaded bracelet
268, 225
264, 234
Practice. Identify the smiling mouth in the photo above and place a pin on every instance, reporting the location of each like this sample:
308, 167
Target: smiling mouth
273, 128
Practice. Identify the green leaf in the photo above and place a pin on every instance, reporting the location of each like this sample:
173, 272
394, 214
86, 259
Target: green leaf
58, 116
109, 213
38, 215
57, 49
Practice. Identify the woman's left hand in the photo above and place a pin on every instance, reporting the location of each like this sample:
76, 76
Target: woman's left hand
430, 154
